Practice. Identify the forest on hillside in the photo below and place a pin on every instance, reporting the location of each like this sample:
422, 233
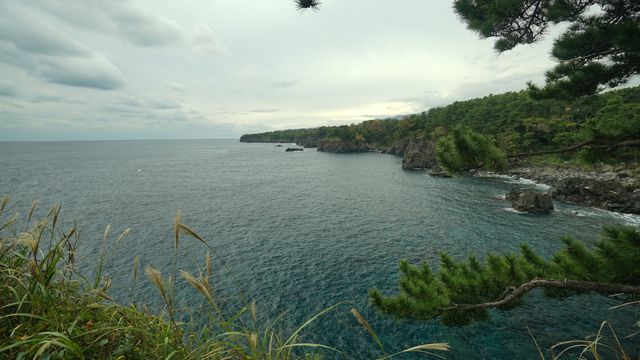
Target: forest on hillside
515, 121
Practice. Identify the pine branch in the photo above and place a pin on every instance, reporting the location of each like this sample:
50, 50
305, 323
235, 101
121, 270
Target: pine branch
577, 285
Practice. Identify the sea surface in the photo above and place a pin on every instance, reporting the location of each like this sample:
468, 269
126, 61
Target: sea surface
302, 231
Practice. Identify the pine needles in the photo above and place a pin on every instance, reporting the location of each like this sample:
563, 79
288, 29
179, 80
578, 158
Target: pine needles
463, 291
307, 4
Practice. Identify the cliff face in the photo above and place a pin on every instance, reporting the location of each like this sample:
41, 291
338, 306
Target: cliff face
308, 141
416, 154
335, 145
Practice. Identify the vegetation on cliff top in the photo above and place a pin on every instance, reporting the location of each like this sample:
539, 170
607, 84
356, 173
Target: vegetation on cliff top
514, 121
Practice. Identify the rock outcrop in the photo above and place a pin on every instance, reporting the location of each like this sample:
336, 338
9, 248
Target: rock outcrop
398, 148
614, 188
335, 145
308, 141
416, 154
610, 195
530, 201
437, 171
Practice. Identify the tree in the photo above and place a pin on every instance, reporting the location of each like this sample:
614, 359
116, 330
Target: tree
463, 291
618, 120
464, 150
307, 4
600, 48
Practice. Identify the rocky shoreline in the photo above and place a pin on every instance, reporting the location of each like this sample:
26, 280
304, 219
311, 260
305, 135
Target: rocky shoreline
613, 188
609, 187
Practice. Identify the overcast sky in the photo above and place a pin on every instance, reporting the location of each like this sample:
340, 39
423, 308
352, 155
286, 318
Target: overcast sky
150, 69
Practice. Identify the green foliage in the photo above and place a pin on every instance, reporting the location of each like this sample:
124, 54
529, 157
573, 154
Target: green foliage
425, 295
307, 4
465, 150
50, 311
516, 122
600, 48
617, 120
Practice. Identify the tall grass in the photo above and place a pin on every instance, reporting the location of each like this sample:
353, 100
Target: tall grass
50, 310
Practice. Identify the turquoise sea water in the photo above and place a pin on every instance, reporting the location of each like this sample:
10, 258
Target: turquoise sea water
305, 230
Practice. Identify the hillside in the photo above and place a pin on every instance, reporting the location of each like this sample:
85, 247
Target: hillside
514, 121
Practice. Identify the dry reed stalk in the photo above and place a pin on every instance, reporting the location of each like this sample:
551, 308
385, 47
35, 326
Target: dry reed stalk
156, 279
5, 201
34, 205
199, 284
123, 235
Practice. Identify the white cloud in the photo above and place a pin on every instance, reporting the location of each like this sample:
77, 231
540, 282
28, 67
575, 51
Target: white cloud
91, 72
169, 74
205, 41
132, 23
178, 87
28, 41
41, 39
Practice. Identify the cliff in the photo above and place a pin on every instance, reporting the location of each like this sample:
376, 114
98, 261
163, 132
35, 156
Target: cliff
416, 154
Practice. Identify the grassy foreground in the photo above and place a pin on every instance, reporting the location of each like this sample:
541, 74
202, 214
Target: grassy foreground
49, 310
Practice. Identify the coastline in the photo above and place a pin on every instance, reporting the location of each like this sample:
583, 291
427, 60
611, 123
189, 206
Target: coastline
610, 187
605, 187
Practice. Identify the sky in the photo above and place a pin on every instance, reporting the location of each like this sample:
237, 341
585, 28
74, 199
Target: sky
156, 69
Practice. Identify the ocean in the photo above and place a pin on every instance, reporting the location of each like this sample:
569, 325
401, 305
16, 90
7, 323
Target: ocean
301, 231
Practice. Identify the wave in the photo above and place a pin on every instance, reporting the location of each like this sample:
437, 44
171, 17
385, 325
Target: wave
624, 219
516, 180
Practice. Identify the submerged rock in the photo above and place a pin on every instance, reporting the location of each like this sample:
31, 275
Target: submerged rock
437, 171
294, 149
530, 201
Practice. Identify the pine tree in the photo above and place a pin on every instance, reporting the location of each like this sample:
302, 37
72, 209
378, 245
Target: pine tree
464, 150
463, 291
600, 48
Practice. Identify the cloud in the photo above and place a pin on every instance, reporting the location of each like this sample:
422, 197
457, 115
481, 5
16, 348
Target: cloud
38, 39
178, 87
284, 83
265, 110
162, 104
7, 89
148, 107
205, 41
383, 116
131, 23
469, 90
91, 72
51, 55
141, 28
